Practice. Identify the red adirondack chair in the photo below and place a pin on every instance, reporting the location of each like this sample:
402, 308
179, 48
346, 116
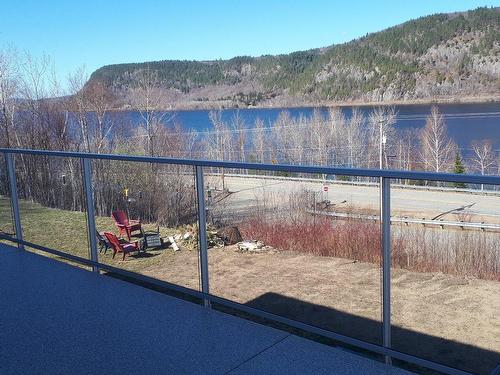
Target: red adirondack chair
121, 247
125, 225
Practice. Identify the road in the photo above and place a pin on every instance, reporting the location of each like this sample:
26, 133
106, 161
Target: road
247, 192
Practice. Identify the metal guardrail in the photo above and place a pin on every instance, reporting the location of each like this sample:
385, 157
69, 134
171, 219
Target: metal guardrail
408, 220
385, 188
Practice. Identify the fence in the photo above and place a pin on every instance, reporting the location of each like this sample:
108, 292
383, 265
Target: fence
385, 177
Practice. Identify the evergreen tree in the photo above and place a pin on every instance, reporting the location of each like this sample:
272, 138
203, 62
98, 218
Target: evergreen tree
459, 169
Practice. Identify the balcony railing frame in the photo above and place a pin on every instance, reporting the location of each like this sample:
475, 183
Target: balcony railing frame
384, 175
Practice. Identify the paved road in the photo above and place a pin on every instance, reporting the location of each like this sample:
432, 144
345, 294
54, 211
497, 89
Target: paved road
248, 191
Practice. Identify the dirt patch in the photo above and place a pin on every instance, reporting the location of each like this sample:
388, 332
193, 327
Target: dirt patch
449, 319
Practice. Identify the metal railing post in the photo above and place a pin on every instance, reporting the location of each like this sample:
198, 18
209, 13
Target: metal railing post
14, 201
87, 183
202, 233
385, 229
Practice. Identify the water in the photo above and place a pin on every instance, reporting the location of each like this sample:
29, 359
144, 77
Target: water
466, 122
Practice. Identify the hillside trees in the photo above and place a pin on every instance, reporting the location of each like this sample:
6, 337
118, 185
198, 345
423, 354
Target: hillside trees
398, 62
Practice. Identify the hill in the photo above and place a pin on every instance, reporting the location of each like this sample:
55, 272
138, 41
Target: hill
448, 56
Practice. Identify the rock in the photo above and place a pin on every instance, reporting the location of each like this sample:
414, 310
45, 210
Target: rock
253, 246
230, 235
186, 235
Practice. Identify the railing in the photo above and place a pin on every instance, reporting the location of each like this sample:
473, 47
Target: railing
406, 220
385, 219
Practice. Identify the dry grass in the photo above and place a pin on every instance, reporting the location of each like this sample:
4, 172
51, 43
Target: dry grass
450, 319
466, 253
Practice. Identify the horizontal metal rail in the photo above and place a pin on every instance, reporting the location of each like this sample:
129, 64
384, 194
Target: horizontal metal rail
407, 220
358, 183
387, 173
378, 349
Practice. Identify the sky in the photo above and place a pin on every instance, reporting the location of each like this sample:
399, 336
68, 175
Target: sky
94, 33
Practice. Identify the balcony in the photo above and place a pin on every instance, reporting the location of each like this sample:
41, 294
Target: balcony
86, 312
60, 319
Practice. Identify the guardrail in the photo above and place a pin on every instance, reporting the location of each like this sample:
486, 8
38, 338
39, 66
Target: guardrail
208, 298
409, 220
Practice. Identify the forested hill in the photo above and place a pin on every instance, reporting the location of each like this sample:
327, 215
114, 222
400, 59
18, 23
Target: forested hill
452, 55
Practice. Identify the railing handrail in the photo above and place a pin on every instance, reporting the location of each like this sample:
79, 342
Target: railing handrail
359, 172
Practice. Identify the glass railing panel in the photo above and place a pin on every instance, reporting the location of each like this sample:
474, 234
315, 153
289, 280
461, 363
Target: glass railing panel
306, 247
159, 200
52, 204
445, 275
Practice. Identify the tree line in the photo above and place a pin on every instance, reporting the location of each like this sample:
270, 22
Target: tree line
356, 141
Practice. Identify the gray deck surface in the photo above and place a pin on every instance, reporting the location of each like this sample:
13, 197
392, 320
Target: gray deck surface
59, 319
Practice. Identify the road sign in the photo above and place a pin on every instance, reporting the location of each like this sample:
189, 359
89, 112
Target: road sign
325, 188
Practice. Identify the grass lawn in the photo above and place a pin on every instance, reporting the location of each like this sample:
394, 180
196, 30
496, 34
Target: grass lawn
67, 231
5, 215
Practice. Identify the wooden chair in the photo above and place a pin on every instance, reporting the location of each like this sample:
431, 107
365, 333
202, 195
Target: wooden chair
121, 246
103, 242
125, 226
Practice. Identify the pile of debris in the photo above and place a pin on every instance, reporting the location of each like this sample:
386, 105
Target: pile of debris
188, 237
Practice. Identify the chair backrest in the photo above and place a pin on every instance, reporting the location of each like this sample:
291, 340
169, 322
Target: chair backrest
113, 240
120, 217
99, 236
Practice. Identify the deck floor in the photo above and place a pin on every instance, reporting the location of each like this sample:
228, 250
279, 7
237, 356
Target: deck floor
59, 319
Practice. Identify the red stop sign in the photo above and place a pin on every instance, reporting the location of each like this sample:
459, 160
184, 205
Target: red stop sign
325, 188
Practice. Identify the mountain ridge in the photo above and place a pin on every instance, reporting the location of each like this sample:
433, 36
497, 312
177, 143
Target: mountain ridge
446, 56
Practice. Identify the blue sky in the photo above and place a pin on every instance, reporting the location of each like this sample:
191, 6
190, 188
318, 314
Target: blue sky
95, 33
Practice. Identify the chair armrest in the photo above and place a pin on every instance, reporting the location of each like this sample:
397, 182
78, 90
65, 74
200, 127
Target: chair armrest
129, 247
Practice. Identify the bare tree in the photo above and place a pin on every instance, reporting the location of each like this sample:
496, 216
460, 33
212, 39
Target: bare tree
319, 139
238, 127
336, 127
405, 149
259, 140
484, 157
150, 101
280, 137
100, 99
80, 107
9, 86
355, 138
437, 150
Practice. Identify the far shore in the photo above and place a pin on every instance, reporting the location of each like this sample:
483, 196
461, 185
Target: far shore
193, 106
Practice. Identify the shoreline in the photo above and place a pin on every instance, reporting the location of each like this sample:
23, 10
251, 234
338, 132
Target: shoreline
328, 104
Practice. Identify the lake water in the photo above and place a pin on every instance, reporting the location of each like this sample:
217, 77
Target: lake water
466, 122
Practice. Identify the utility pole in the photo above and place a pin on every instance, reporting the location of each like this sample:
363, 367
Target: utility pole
382, 141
